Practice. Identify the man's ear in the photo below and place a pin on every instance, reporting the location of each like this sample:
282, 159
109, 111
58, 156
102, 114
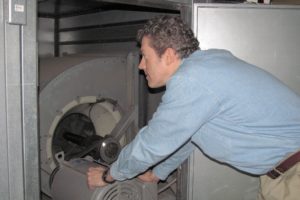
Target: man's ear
170, 56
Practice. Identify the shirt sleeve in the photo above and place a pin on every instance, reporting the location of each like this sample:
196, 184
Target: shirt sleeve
163, 169
185, 107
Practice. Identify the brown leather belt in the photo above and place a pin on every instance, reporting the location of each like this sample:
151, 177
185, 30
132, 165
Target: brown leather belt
284, 165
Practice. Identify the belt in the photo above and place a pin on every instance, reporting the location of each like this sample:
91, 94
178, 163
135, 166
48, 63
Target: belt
284, 165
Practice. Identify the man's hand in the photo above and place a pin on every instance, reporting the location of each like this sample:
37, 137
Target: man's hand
94, 177
149, 176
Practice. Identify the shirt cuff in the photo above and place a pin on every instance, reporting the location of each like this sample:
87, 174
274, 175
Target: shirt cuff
115, 174
160, 174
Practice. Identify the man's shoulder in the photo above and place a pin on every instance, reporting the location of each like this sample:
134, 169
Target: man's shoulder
203, 60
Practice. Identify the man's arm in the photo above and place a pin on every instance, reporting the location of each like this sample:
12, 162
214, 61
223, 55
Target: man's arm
185, 107
163, 169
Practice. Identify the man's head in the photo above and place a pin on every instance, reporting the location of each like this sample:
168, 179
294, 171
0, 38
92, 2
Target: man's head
169, 32
164, 42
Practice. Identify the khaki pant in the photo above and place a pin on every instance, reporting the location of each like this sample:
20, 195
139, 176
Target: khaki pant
284, 187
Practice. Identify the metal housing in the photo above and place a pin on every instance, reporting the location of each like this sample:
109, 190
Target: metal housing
74, 172
70, 84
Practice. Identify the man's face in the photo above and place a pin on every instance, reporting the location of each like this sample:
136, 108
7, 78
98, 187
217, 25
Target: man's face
155, 67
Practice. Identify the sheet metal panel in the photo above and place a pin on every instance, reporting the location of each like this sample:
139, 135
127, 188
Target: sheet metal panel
267, 36
14, 111
4, 187
210, 180
29, 104
101, 34
45, 36
19, 174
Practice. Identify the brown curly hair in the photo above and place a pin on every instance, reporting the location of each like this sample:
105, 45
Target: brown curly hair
169, 32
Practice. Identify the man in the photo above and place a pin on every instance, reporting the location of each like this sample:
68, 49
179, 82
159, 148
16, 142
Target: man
235, 112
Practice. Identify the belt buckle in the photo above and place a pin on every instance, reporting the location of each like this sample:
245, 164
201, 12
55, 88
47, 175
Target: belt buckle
275, 173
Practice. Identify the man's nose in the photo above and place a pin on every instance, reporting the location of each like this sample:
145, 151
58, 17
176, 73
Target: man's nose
142, 64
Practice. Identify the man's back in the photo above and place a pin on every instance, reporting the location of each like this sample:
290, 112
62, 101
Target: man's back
253, 115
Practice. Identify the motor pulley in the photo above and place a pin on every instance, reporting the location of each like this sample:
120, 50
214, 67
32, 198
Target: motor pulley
76, 136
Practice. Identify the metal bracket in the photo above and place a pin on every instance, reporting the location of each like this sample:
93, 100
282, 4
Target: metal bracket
17, 12
60, 157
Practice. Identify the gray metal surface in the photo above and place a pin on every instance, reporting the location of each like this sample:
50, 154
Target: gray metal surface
46, 32
267, 36
14, 111
4, 167
45, 36
74, 172
30, 105
82, 17
19, 160
107, 33
209, 180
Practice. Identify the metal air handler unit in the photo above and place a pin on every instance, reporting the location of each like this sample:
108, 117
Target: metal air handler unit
99, 93
88, 111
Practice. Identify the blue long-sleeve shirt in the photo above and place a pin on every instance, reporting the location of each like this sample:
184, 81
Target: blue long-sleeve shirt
235, 112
